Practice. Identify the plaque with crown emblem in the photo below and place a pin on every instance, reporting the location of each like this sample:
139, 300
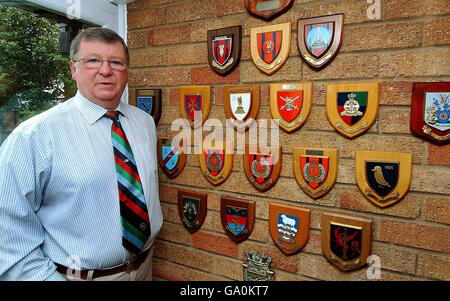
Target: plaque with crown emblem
256, 267
352, 108
262, 166
238, 217
149, 101
270, 46
383, 177
216, 164
171, 156
267, 9
291, 104
224, 49
241, 104
195, 103
192, 208
430, 111
319, 39
346, 240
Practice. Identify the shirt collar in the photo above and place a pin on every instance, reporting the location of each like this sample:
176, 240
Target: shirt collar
92, 111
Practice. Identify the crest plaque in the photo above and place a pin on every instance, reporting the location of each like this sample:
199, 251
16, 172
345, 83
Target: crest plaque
270, 46
149, 101
238, 218
289, 227
352, 108
430, 111
241, 105
290, 103
346, 241
267, 9
224, 48
256, 268
192, 209
319, 39
215, 163
195, 103
383, 178
262, 166
315, 170
171, 157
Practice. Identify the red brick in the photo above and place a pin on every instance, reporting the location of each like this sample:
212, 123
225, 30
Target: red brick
438, 154
215, 243
205, 75
437, 210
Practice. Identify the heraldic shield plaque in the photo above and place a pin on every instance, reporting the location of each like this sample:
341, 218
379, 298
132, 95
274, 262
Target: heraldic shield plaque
430, 111
267, 9
195, 103
270, 46
291, 104
149, 101
315, 170
346, 241
256, 267
171, 156
319, 39
216, 164
192, 209
224, 49
241, 104
238, 218
352, 108
289, 227
383, 177
262, 166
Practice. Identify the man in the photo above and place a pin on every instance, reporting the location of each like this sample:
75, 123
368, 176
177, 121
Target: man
78, 183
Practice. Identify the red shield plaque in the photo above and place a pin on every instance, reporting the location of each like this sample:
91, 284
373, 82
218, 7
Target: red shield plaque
238, 218
263, 167
224, 48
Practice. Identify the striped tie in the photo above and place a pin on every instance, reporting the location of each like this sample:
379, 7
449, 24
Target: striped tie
133, 209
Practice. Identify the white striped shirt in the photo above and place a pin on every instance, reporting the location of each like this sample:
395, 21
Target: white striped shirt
58, 190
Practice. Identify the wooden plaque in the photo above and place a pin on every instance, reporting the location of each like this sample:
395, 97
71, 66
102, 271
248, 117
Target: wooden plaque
224, 49
289, 227
192, 208
319, 39
216, 164
171, 157
267, 9
262, 166
270, 46
195, 103
149, 101
238, 217
241, 105
291, 104
352, 108
430, 111
383, 177
315, 169
346, 240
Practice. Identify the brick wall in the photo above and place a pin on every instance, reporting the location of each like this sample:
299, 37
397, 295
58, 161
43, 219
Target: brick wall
167, 40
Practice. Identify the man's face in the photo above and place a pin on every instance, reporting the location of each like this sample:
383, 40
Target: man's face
104, 85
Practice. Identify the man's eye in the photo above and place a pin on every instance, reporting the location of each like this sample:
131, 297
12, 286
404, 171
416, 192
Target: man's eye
93, 61
115, 63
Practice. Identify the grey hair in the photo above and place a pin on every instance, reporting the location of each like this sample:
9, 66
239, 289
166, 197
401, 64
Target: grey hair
97, 33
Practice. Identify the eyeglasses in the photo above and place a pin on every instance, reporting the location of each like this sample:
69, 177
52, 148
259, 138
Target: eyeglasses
95, 63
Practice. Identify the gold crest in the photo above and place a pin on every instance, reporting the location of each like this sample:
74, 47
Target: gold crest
215, 163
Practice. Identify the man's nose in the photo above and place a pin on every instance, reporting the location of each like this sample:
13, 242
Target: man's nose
105, 68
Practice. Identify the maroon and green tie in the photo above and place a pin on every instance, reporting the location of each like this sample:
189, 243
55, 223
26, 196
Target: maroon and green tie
133, 209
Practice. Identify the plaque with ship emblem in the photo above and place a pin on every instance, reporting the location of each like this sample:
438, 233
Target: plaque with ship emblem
195, 103
224, 49
383, 177
346, 240
256, 267
430, 111
192, 207
171, 156
216, 164
319, 39
267, 9
238, 218
352, 108
262, 166
241, 104
149, 101
291, 104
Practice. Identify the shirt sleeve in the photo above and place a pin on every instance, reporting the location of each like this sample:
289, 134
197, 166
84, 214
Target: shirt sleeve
24, 171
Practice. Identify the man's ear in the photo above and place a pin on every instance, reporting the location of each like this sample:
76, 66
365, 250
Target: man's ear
72, 69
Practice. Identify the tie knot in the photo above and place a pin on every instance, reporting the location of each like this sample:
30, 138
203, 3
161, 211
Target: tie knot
113, 115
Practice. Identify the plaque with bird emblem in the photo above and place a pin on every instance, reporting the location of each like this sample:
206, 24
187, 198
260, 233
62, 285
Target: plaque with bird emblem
171, 156
319, 39
383, 177
315, 169
289, 227
195, 103
224, 49
290, 104
216, 164
430, 111
262, 166
192, 208
270, 46
149, 101
346, 240
352, 108
241, 104
267, 9
238, 217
